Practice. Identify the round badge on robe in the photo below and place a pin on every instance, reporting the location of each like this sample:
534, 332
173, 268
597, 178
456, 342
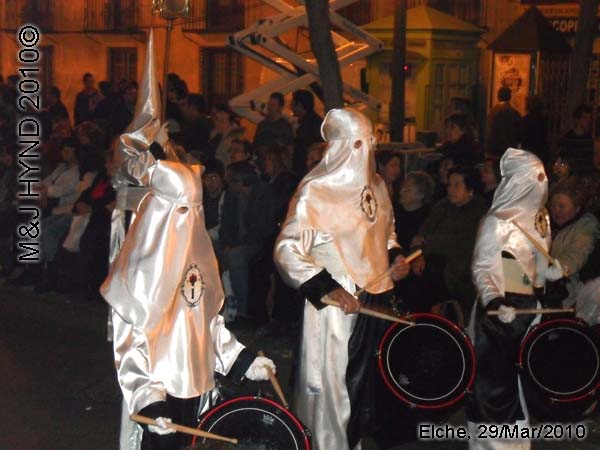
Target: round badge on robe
368, 203
542, 222
192, 287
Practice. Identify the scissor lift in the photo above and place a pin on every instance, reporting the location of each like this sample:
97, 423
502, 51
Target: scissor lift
262, 43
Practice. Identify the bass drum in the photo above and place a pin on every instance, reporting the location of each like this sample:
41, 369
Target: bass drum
560, 369
257, 423
429, 365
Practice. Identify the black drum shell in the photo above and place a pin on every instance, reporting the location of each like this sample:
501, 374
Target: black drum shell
458, 339
543, 355
224, 419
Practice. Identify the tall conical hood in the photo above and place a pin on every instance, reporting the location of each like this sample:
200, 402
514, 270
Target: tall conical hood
142, 130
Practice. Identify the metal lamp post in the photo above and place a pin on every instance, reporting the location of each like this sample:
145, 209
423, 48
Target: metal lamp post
169, 10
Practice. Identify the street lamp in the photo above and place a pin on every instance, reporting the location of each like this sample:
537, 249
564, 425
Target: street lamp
169, 10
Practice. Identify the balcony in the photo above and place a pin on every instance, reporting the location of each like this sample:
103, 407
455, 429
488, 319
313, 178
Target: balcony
111, 16
215, 16
38, 12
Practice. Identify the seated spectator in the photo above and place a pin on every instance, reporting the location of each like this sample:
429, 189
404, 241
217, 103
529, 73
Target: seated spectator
98, 201
575, 232
441, 179
57, 193
315, 154
89, 164
82, 263
275, 129
224, 132
51, 149
90, 134
195, 127
213, 180
308, 131
412, 206
389, 168
410, 212
247, 225
447, 239
502, 125
562, 168
460, 144
240, 150
490, 177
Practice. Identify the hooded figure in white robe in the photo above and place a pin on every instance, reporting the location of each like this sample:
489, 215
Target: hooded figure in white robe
508, 272
338, 233
165, 290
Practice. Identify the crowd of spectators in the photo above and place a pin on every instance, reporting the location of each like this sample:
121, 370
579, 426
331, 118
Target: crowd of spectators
249, 181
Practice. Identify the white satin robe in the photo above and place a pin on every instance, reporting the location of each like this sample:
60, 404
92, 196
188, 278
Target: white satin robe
519, 197
320, 398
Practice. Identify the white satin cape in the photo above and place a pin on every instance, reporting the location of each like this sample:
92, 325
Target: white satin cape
520, 196
330, 226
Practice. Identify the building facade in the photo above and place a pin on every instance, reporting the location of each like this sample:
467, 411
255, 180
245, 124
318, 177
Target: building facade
107, 38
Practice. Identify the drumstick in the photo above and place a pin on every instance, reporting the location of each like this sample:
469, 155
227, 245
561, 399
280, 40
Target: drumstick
369, 312
378, 278
535, 243
275, 383
535, 311
183, 429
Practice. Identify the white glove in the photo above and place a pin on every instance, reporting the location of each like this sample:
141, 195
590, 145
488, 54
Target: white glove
555, 271
161, 427
507, 314
258, 369
162, 135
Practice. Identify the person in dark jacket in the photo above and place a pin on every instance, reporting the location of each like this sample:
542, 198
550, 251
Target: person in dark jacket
533, 129
196, 127
447, 238
247, 224
460, 144
98, 200
502, 125
86, 100
309, 128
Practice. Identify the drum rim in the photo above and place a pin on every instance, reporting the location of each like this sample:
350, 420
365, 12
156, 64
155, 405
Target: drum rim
304, 431
460, 332
565, 397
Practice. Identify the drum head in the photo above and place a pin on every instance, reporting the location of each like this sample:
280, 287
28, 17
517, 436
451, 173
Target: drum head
429, 365
561, 358
258, 424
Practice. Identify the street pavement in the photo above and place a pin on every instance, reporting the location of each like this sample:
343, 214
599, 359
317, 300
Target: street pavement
58, 388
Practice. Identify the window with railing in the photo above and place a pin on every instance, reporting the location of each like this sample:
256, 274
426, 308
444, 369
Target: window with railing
222, 74
19, 12
122, 64
111, 15
215, 16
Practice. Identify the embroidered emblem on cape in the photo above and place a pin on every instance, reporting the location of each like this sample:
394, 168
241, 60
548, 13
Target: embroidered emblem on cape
192, 287
542, 222
368, 203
